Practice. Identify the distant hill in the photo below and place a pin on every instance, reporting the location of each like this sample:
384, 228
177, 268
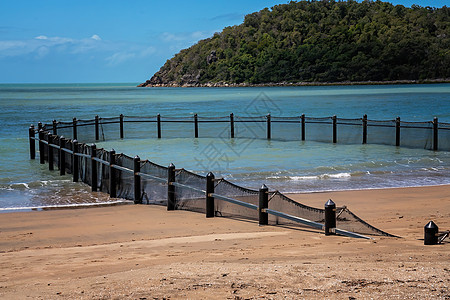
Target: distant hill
318, 41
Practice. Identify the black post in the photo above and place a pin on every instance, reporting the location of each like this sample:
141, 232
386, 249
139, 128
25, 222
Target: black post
121, 125
41, 146
303, 127
158, 122
75, 134
94, 172
334, 129
170, 187
196, 125
435, 134
112, 174
39, 126
269, 133
50, 140
31, 135
62, 156
397, 131
330, 217
364, 123
431, 234
137, 180
75, 161
97, 131
209, 197
54, 126
232, 125
263, 204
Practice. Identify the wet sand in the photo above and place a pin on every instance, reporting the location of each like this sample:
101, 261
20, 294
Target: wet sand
146, 252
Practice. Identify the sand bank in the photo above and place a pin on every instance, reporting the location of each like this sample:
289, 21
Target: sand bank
145, 252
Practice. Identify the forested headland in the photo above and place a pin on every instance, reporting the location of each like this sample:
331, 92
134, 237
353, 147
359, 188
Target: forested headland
319, 42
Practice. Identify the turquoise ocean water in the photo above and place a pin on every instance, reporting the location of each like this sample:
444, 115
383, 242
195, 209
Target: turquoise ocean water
289, 166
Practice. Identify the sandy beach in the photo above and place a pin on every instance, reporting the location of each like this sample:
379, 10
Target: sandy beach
146, 252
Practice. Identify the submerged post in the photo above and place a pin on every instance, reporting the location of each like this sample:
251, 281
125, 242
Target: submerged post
269, 134
62, 156
31, 135
364, 124
74, 129
75, 160
303, 127
121, 126
232, 125
55, 126
196, 125
263, 205
50, 139
94, 172
97, 131
334, 118
209, 197
431, 234
137, 179
435, 134
112, 174
158, 123
41, 146
330, 217
397, 131
170, 187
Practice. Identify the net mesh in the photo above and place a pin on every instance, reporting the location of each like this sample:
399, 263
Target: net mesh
190, 187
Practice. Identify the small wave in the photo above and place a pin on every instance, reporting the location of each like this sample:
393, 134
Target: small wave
315, 177
61, 206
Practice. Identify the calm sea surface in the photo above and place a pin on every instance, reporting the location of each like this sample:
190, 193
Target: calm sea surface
289, 166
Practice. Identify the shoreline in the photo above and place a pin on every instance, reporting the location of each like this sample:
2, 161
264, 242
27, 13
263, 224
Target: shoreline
147, 252
286, 84
120, 201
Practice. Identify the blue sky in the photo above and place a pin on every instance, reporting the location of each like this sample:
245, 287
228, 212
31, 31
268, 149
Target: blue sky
60, 41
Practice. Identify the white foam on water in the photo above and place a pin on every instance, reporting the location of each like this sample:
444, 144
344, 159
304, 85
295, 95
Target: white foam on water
78, 205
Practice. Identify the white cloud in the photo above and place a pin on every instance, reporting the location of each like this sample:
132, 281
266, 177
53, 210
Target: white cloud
41, 37
96, 37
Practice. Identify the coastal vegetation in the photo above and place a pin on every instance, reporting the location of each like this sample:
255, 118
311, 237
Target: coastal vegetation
319, 41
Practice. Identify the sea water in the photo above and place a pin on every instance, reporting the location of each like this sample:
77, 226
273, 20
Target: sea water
288, 166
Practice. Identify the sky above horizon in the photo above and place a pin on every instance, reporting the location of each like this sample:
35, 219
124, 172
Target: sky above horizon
54, 41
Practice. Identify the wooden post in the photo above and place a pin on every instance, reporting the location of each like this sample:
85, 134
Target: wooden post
137, 180
121, 126
269, 134
364, 124
431, 233
397, 131
97, 130
74, 129
112, 174
158, 123
330, 217
209, 197
303, 127
50, 139
39, 126
41, 146
232, 125
170, 188
435, 134
94, 172
75, 161
196, 125
62, 156
55, 125
334, 118
31, 135
263, 204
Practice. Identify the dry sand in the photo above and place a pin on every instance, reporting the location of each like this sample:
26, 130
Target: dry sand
145, 252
